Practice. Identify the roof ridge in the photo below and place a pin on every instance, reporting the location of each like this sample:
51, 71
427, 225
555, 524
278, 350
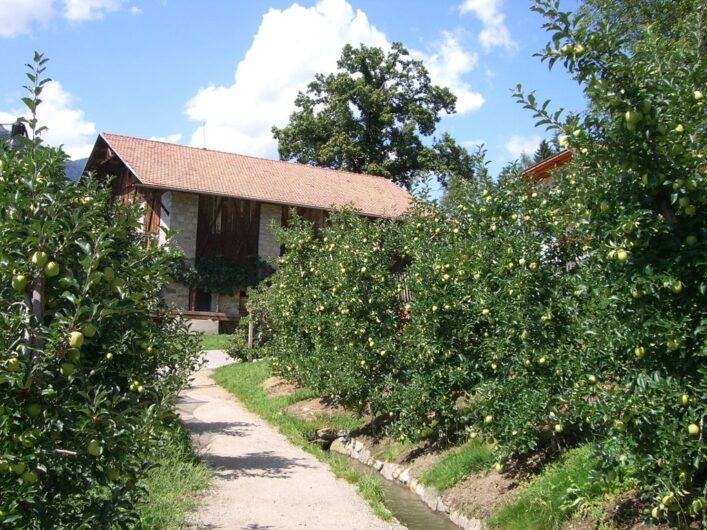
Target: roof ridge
202, 149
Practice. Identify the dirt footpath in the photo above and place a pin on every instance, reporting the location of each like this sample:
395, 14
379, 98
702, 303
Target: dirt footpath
262, 481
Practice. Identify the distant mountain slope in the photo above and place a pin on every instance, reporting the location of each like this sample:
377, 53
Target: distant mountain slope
74, 168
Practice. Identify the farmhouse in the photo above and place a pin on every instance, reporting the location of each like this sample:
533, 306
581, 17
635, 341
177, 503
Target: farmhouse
222, 203
543, 169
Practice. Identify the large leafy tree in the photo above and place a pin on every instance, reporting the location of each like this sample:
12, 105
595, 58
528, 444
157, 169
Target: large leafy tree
372, 116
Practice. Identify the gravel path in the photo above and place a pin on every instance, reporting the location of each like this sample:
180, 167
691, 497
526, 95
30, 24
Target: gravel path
262, 481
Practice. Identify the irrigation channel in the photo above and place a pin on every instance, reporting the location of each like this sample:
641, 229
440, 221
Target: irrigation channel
404, 504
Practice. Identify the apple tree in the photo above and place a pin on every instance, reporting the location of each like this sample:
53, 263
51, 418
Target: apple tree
90, 361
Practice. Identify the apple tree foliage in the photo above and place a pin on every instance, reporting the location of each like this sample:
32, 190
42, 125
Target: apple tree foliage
372, 116
539, 314
90, 362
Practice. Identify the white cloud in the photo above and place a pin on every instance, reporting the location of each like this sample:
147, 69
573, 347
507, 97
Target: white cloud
135, 10
66, 124
290, 46
170, 138
89, 9
473, 144
494, 31
447, 67
522, 144
17, 16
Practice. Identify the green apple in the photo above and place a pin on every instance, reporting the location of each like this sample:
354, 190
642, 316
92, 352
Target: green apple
19, 281
566, 49
655, 512
697, 507
18, 468
669, 501
89, 330
676, 287
640, 352
620, 426
636, 294
684, 400
94, 448
563, 140
30, 477
690, 210
673, 344
633, 116
67, 369
4, 465
34, 410
52, 269
13, 364
485, 311
39, 258
109, 356
693, 429
621, 255
75, 339
559, 428
679, 128
578, 49
108, 274
691, 240
697, 94
592, 378
488, 419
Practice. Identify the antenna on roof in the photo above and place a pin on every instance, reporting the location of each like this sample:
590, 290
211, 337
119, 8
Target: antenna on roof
203, 131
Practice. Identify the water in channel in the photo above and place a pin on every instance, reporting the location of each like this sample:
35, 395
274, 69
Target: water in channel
405, 505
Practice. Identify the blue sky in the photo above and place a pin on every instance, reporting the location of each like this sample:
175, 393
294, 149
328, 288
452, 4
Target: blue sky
162, 68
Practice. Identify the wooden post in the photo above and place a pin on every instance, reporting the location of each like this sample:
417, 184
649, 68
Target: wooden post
250, 333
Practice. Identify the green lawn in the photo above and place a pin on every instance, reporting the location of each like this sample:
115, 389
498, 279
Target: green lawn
215, 342
173, 486
244, 380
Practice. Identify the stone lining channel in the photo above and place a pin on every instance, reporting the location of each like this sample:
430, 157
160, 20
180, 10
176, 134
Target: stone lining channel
441, 517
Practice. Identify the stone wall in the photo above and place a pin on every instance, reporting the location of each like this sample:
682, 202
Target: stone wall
268, 247
184, 215
165, 218
183, 211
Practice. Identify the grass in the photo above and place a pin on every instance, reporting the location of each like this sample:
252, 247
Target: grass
215, 342
554, 495
470, 458
173, 486
392, 451
244, 381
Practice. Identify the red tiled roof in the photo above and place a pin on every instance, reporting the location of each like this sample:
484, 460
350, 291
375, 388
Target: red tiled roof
542, 169
190, 169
